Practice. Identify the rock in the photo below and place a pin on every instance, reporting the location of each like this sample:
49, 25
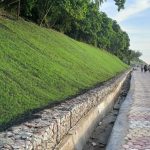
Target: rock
102, 145
25, 136
116, 106
115, 113
9, 134
93, 144
100, 123
7, 147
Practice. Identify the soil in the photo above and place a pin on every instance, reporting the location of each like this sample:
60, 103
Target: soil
100, 136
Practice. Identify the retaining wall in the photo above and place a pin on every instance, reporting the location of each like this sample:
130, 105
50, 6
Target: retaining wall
66, 126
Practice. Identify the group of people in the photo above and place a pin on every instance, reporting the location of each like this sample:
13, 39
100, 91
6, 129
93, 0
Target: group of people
145, 68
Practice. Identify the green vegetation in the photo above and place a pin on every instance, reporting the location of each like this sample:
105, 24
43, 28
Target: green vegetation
79, 19
39, 66
82, 20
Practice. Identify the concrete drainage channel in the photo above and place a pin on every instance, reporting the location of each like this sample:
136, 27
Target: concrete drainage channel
69, 125
93, 130
100, 136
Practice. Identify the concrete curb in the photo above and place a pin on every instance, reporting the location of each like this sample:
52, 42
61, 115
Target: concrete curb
121, 125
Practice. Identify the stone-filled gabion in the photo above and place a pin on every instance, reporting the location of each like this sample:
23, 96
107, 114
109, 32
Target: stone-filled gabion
45, 132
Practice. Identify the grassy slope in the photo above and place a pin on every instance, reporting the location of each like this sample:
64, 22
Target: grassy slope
39, 66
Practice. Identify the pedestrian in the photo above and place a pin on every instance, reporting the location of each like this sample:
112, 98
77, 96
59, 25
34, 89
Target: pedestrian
149, 68
145, 68
142, 68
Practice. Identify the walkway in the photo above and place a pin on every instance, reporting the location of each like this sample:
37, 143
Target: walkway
132, 128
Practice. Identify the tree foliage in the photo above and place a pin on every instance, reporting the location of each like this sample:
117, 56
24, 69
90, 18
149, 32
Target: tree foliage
119, 3
82, 20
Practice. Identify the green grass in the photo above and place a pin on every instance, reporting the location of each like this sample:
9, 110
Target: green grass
39, 66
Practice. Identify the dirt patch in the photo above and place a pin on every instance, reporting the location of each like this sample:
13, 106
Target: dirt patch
101, 134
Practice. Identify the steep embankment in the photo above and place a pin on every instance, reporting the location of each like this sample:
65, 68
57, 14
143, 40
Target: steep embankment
39, 66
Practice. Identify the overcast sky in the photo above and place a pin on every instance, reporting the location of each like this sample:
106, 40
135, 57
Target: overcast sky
135, 20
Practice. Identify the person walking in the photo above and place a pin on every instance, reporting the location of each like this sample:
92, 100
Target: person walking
149, 68
145, 68
142, 68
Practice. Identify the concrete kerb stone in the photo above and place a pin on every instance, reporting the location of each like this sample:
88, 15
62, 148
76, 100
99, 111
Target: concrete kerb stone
121, 127
54, 123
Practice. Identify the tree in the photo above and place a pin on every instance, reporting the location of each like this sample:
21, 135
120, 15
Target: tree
133, 56
99, 30
119, 3
58, 14
87, 28
8, 4
27, 7
81, 20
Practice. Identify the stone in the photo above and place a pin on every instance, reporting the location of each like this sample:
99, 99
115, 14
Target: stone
25, 136
93, 144
9, 134
100, 123
126, 146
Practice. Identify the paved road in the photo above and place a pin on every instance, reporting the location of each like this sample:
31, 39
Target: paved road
132, 128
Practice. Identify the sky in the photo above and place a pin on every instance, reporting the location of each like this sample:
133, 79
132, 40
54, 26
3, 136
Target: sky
135, 20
